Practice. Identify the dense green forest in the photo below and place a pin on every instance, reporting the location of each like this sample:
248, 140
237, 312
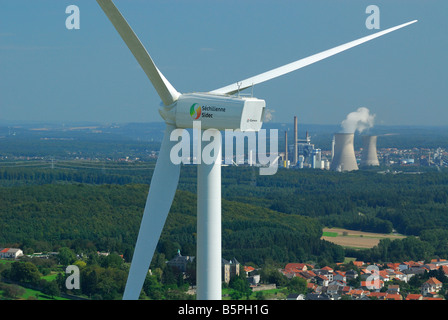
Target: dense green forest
277, 218
106, 218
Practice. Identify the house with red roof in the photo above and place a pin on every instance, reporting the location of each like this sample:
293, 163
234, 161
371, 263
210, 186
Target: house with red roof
325, 271
307, 275
384, 275
445, 270
439, 262
10, 253
375, 284
248, 269
339, 276
430, 267
327, 268
414, 296
393, 266
295, 267
322, 280
311, 286
393, 296
378, 295
357, 293
346, 290
410, 264
431, 286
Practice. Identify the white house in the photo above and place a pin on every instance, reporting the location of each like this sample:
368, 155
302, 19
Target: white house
11, 253
431, 286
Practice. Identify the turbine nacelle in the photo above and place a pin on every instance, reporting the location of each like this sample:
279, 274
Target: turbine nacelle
215, 111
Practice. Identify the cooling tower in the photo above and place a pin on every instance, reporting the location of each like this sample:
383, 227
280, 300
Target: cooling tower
296, 153
344, 153
286, 146
369, 155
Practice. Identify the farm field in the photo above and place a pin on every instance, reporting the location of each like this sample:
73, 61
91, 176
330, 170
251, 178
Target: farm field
355, 239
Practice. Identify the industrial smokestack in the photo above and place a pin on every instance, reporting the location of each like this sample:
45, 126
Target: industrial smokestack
344, 158
369, 155
296, 150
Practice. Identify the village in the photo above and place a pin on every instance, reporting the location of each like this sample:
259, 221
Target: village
372, 281
354, 280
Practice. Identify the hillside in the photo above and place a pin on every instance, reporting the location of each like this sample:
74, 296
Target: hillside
107, 217
280, 217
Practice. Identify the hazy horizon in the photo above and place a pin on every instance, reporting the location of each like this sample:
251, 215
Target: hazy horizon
4, 122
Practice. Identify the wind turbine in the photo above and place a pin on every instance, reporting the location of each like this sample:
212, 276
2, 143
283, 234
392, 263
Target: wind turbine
224, 111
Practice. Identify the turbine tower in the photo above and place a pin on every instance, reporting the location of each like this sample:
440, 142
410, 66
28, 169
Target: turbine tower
179, 111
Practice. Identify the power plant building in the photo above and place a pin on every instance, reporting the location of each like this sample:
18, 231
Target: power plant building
316, 159
344, 158
304, 154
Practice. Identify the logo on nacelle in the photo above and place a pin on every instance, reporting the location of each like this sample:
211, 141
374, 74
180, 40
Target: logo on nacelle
204, 111
195, 113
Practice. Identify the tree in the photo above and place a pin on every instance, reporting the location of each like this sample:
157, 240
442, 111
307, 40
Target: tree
240, 286
153, 288
50, 288
89, 279
66, 256
270, 274
297, 285
113, 260
24, 272
12, 290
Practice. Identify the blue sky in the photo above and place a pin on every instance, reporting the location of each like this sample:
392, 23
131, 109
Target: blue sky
50, 73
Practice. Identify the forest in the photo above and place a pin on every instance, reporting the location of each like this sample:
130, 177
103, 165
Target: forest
265, 218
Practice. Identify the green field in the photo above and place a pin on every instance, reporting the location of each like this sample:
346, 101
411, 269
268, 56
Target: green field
30, 294
329, 234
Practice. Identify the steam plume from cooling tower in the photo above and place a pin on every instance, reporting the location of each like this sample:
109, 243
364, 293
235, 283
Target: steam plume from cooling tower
358, 120
268, 115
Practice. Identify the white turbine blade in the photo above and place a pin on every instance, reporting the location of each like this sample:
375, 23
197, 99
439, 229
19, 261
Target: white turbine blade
274, 73
165, 90
160, 197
